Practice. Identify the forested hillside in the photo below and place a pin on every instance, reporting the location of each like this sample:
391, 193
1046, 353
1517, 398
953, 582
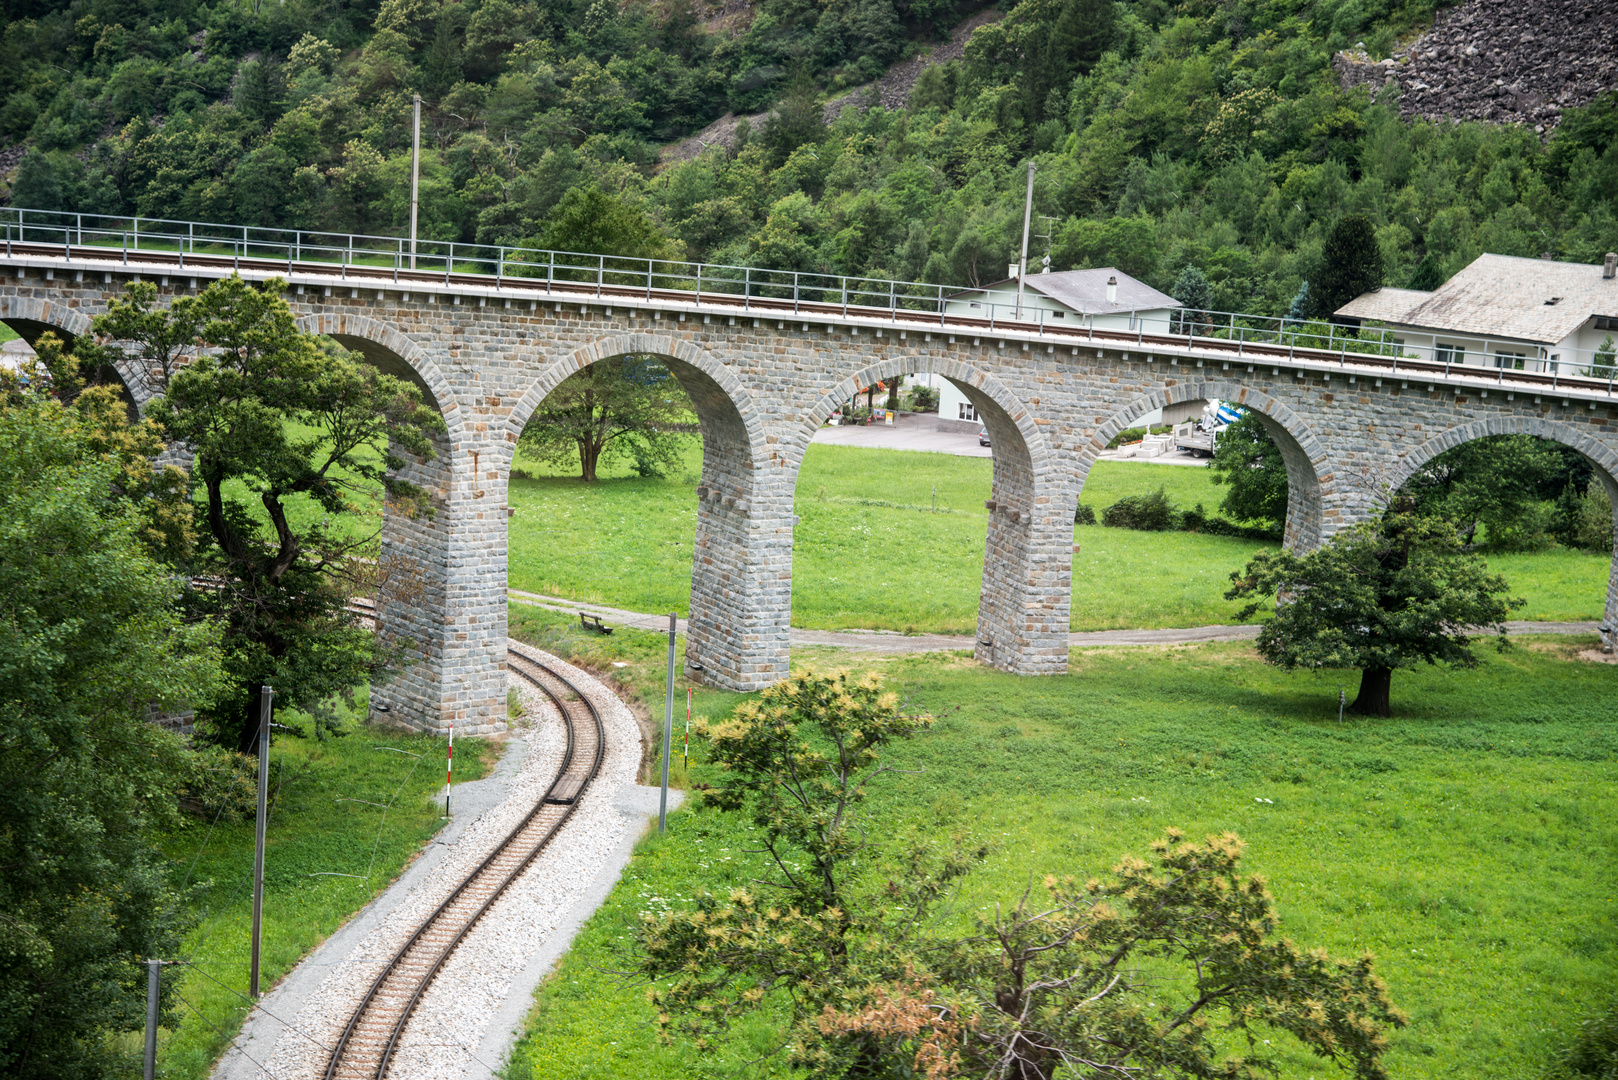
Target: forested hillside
1214, 133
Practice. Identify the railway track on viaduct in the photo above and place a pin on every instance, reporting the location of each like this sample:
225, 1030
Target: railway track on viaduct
374, 1033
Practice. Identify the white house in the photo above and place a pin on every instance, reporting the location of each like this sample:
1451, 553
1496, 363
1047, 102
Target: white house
1503, 311
1105, 297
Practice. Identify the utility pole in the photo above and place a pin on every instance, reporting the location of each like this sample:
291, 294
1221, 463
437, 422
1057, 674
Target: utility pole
415, 174
668, 731
154, 969
1027, 212
266, 695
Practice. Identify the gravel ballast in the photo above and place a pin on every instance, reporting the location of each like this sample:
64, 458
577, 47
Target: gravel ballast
510, 949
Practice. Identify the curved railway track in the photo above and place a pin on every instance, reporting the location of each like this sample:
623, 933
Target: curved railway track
368, 1044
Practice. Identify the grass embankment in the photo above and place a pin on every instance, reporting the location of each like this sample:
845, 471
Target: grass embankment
1466, 842
870, 552
345, 817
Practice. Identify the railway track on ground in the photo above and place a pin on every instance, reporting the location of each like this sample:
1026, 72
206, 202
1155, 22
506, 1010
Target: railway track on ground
372, 1038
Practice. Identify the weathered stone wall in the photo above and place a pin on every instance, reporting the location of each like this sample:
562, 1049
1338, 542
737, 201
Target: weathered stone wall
762, 386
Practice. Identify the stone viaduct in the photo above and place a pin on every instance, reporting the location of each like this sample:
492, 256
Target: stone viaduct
764, 377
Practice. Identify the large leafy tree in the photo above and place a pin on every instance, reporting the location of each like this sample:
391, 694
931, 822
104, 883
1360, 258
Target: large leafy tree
626, 405
1383, 595
294, 443
1350, 264
92, 637
1247, 458
1501, 483
1165, 969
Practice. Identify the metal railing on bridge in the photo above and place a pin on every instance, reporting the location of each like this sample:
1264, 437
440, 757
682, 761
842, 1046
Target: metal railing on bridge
200, 245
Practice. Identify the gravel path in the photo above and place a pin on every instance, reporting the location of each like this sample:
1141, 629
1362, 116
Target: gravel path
447, 1036
891, 641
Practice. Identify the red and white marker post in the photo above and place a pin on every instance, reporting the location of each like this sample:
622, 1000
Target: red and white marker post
449, 768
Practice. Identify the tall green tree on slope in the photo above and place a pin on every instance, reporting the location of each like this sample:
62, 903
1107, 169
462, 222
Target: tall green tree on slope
1380, 596
288, 434
92, 636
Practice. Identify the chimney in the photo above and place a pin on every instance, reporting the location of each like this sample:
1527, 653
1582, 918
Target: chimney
1011, 271
1610, 269
1112, 289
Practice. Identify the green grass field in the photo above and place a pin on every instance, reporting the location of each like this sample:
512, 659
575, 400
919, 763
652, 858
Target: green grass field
1466, 842
870, 552
323, 828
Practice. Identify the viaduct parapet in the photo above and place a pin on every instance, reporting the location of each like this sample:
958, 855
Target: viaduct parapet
764, 376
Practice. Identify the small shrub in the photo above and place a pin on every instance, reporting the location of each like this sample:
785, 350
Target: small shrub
1136, 434
1594, 1052
1084, 515
923, 399
514, 705
220, 783
1153, 512
1592, 519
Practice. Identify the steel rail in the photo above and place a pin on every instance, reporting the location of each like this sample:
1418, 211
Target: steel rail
570, 769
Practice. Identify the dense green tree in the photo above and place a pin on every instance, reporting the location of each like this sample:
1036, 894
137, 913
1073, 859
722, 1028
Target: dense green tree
627, 405
1248, 459
1380, 596
282, 428
1350, 264
93, 637
1502, 484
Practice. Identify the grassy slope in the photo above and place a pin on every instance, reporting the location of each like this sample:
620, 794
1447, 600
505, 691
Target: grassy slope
1465, 842
869, 552
310, 833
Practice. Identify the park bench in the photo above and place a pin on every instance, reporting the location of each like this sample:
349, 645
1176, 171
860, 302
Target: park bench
593, 622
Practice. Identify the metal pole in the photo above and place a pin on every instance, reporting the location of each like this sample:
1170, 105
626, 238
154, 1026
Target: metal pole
449, 768
1022, 263
415, 173
668, 732
266, 695
154, 969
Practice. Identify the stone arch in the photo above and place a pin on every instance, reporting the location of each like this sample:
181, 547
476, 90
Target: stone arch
1026, 592
1309, 470
32, 317
978, 385
394, 353
738, 631
1602, 457
714, 387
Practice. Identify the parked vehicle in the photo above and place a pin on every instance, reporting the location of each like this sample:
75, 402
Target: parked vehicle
1199, 437
983, 437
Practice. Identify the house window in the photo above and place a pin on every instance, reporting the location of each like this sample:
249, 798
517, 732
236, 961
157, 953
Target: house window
1058, 314
1606, 322
968, 412
1510, 360
1449, 354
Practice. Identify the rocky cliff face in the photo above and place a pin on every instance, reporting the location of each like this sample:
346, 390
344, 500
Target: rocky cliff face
1508, 61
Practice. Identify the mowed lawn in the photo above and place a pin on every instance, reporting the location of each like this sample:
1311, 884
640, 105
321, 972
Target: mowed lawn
1468, 843
871, 551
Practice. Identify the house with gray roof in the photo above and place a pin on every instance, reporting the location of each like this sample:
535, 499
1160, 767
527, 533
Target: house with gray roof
1104, 297
1504, 311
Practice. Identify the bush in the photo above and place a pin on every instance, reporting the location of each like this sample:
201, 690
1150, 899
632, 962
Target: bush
1591, 525
1136, 434
1084, 515
1594, 1053
923, 399
1154, 512
1197, 520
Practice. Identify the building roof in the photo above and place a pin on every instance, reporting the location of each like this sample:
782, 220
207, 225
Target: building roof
1085, 291
1500, 296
